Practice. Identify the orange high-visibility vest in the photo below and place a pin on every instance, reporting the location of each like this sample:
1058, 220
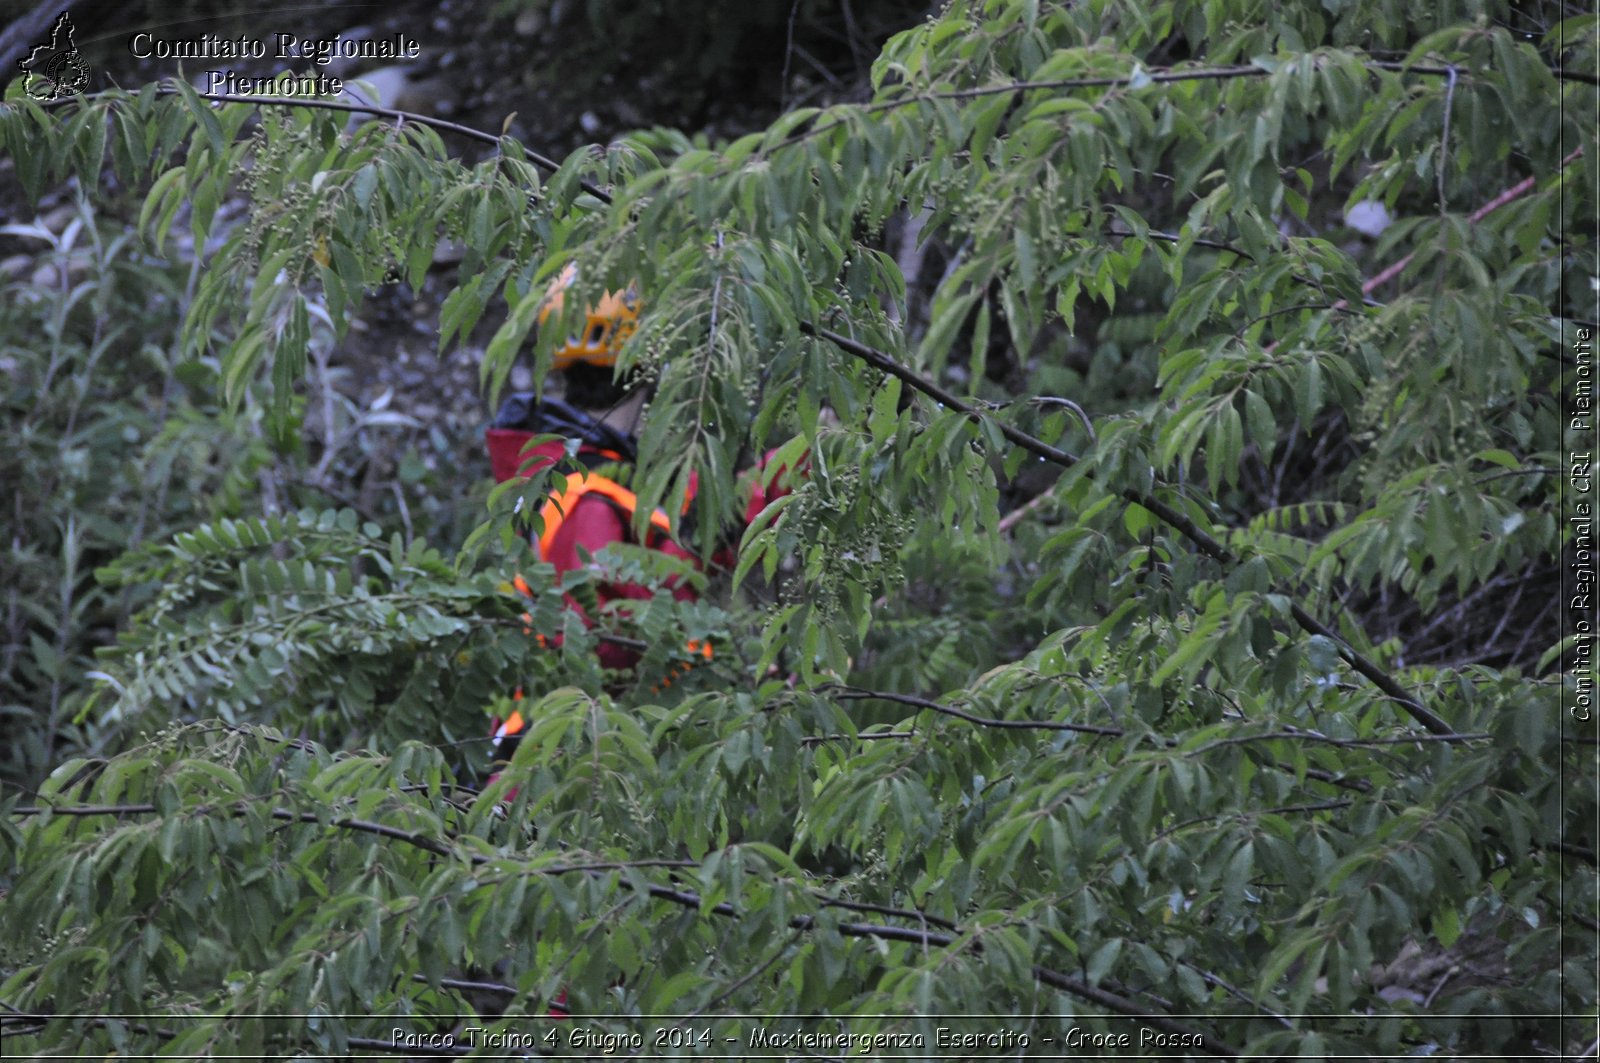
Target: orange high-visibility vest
561, 504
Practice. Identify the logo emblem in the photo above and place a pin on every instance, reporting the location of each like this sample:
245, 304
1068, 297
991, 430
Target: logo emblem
55, 71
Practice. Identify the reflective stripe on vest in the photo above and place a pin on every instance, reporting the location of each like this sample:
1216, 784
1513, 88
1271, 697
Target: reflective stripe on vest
560, 506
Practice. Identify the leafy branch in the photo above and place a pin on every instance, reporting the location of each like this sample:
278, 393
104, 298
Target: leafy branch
1133, 79
1208, 545
1185, 526
687, 899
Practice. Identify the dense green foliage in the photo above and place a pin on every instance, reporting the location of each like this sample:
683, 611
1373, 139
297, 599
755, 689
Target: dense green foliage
1244, 723
103, 448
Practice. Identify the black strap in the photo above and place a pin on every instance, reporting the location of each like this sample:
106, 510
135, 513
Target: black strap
524, 412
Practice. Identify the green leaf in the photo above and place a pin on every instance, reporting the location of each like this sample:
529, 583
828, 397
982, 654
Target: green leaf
1446, 926
1102, 961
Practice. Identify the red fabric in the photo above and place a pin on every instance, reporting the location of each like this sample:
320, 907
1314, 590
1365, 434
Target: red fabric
506, 457
777, 486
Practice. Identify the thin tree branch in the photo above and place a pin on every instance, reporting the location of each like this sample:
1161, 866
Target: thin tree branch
1083, 418
1239, 993
1348, 743
1238, 332
1219, 245
1530, 471
467, 985
1012, 519
853, 694
751, 975
914, 914
442, 848
845, 693
1360, 786
866, 736
1174, 238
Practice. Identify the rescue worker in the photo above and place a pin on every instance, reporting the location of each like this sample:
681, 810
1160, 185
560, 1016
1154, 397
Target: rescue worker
601, 413
594, 511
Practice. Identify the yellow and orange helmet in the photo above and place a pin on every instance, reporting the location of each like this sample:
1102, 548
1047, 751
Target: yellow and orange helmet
607, 324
